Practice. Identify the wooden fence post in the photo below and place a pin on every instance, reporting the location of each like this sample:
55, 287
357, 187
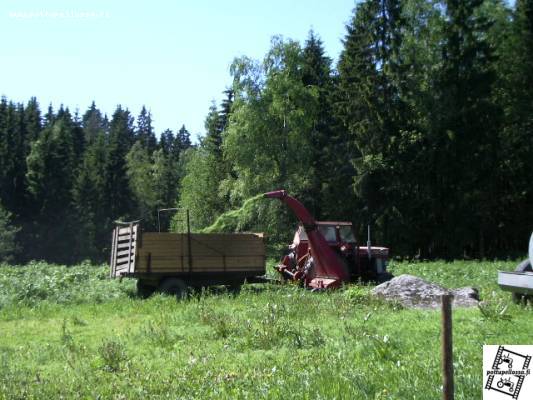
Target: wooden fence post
447, 347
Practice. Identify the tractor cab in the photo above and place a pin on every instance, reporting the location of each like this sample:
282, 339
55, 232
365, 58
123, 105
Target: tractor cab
336, 234
361, 263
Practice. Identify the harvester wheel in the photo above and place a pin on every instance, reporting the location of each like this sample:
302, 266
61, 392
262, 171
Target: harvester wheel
524, 266
144, 290
288, 262
175, 287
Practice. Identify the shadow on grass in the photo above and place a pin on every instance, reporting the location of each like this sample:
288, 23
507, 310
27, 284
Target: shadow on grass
215, 290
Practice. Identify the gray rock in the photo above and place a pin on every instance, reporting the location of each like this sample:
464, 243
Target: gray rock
413, 291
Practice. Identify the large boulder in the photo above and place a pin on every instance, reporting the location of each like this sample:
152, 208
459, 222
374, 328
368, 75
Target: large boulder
413, 291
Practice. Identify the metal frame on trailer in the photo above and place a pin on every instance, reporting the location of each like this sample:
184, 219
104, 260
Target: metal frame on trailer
125, 238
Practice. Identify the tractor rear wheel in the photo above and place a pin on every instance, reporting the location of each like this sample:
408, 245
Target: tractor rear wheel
175, 287
524, 266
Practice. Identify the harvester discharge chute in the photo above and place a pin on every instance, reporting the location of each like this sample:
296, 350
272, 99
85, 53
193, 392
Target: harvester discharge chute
325, 268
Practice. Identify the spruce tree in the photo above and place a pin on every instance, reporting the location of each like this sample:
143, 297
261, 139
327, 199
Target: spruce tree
166, 141
225, 110
165, 179
465, 131
78, 135
92, 123
368, 103
145, 132
91, 202
51, 172
121, 137
32, 122
49, 117
13, 150
326, 193
182, 141
213, 139
514, 95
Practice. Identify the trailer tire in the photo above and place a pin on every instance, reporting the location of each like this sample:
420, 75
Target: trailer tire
524, 266
175, 287
144, 290
234, 288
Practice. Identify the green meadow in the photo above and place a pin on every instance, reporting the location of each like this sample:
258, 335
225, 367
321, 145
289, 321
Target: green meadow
70, 332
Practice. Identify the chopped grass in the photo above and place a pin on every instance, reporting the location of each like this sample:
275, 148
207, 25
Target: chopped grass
234, 220
268, 341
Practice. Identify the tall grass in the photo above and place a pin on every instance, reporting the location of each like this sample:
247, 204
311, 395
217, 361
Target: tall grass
269, 341
39, 282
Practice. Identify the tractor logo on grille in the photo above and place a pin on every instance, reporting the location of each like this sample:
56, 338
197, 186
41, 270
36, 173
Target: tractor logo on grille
507, 372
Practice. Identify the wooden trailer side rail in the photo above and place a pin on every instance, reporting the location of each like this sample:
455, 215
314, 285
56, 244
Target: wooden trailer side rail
199, 253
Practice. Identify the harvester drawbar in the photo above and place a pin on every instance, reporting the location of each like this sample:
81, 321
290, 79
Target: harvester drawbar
325, 254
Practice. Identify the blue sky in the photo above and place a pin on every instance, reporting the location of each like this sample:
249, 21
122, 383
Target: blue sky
172, 56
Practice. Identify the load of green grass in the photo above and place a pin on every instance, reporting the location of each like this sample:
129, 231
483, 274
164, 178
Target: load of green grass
235, 220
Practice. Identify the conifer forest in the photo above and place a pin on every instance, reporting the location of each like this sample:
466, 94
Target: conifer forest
423, 129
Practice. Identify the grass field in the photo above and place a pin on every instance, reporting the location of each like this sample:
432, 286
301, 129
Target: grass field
72, 333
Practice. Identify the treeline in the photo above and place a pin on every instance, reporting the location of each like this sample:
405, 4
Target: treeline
66, 178
423, 129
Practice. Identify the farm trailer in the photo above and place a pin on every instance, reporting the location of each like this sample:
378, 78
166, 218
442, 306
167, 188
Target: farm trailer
175, 262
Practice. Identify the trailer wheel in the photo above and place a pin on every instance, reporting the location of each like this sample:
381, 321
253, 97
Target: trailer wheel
234, 288
524, 266
175, 287
144, 290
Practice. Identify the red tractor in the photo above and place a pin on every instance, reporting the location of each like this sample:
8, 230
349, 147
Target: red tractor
325, 254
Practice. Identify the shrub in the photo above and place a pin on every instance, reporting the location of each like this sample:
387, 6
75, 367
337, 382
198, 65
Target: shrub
38, 282
8, 233
113, 354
